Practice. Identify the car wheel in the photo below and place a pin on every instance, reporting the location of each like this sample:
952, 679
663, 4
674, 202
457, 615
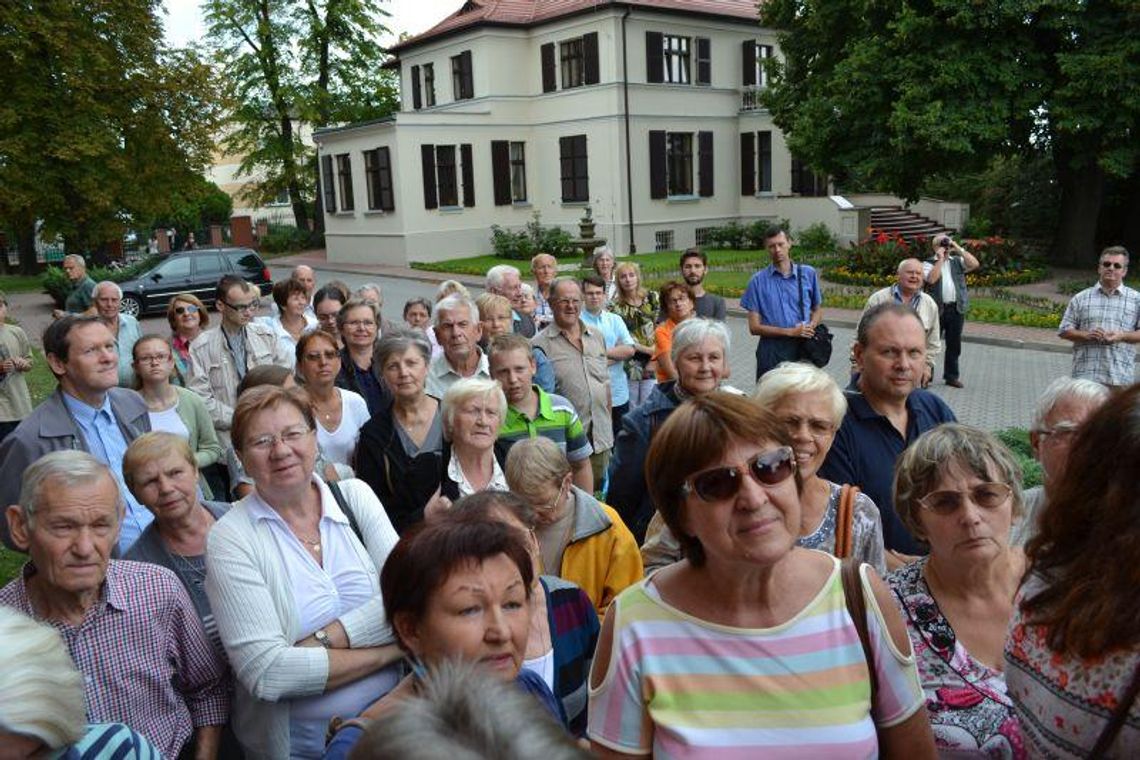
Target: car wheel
130, 305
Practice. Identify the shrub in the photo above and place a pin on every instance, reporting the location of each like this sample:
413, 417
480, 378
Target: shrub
56, 284
283, 237
732, 236
1017, 441
816, 239
521, 245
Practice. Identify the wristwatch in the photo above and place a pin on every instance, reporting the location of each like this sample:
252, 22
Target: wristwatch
323, 638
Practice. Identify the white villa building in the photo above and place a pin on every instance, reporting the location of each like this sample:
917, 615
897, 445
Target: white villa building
645, 110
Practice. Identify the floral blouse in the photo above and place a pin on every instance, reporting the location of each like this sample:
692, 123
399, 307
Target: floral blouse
1063, 701
641, 321
970, 711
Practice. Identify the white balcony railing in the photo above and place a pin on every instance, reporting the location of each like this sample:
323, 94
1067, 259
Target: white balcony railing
750, 98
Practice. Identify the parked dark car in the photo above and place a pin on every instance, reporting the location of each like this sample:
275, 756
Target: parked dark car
197, 272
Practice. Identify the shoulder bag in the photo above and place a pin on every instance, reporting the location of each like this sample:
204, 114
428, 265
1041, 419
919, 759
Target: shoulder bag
817, 348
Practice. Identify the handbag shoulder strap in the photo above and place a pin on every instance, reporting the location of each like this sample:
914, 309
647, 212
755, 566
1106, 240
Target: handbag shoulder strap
1116, 722
800, 289
343, 504
851, 577
845, 521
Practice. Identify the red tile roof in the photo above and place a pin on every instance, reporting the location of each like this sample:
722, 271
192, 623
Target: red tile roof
529, 12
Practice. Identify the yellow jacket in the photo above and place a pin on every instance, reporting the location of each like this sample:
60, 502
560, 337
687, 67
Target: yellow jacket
602, 556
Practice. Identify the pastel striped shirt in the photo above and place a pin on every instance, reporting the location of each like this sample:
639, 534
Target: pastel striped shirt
678, 686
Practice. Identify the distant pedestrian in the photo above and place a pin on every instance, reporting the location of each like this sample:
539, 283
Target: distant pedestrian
1103, 322
945, 274
784, 303
15, 360
190, 243
82, 294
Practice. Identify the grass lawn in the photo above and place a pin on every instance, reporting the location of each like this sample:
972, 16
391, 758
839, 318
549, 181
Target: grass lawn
22, 283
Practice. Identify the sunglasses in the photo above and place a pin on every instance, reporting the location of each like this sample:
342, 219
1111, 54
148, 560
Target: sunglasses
719, 483
1112, 265
180, 310
986, 496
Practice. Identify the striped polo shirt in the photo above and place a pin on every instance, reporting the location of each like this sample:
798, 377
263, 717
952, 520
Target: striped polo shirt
556, 419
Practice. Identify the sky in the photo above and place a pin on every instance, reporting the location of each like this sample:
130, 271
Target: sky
184, 22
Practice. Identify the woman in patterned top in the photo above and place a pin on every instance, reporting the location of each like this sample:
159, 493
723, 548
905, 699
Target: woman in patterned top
811, 406
958, 489
745, 648
640, 309
1074, 646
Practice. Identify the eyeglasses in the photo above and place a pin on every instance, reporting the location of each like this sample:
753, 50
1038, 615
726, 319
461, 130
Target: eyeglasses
357, 323
985, 495
316, 356
769, 469
249, 306
288, 436
1112, 265
817, 428
180, 310
153, 359
1060, 431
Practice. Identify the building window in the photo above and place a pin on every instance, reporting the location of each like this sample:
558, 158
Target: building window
573, 64
806, 182
462, 83
759, 75
327, 186
676, 58
663, 240
705, 235
344, 181
764, 161
449, 176
282, 198
378, 178
672, 165
575, 169
429, 84
508, 170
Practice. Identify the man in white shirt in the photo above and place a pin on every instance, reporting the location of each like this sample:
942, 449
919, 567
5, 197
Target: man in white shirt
458, 328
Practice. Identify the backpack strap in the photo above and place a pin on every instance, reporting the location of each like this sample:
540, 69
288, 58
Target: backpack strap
852, 579
343, 504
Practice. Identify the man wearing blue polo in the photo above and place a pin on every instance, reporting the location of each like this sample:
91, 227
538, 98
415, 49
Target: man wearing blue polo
784, 303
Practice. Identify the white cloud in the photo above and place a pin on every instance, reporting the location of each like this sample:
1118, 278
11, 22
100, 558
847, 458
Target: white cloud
184, 26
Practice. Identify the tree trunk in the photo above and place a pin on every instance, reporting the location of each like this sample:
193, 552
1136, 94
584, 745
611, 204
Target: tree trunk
319, 199
1082, 196
26, 244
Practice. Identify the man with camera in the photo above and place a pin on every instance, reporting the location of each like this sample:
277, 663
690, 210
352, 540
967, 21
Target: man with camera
945, 275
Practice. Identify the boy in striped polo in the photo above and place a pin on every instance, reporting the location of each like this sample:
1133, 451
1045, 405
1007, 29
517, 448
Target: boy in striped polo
532, 412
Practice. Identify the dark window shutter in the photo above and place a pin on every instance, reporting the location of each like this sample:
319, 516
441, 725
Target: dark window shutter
387, 191
704, 60
749, 63
501, 171
764, 161
705, 142
658, 185
549, 80
468, 174
468, 75
748, 163
417, 100
427, 158
654, 57
327, 181
590, 74
566, 166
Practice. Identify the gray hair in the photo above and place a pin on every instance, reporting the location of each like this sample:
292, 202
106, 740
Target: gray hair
373, 287
1066, 389
1114, 250
797, 378
42, 688
561, 280
75, 258
935, 452
904, 262
107, 284
468, 388
448, 287
454, 302
449, 719
534, 464
68, 468
604, 250
400, 340
498, 273
527, 289
696, 330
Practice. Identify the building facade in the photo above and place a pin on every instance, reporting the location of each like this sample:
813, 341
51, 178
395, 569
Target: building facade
645, 111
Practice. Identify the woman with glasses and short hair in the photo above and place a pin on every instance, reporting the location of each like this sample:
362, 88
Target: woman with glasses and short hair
187, 317
359, 324
746, 647
339, 413
293, 578
958, 489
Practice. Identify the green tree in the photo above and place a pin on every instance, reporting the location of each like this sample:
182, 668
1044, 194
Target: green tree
197, 206
889, 94
294, 63
99, 124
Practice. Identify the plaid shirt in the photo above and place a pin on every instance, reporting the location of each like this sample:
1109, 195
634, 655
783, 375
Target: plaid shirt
1118, 311
145, 659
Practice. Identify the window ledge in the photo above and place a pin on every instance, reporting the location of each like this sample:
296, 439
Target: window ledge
451, 209
765, 194
521, 204
345, 213
682, 198
377, 212
575, 204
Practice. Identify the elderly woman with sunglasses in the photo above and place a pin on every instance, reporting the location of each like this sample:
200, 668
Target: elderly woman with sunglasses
747, 647
293, 578
958, 489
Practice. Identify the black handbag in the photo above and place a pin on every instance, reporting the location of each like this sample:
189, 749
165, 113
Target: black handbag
817, 348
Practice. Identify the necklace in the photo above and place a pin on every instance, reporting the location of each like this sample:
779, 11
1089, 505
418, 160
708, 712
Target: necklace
327, 412
312, 544
196, 572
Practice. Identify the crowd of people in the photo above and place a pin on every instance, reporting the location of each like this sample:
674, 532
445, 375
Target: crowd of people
542, 521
